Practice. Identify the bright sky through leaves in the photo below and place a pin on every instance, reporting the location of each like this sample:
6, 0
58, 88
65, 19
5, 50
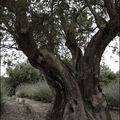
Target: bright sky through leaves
110, 59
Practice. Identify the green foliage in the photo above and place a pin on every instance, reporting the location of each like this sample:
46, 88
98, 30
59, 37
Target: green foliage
22, 73
107, 76
47, 27
112, 93
110, 83
37, 91
25, 81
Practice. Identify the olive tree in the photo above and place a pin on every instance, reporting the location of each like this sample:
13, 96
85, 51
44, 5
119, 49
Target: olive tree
81, 28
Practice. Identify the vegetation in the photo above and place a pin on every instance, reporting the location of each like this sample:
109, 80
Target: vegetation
35, 86
38, 91
22, 73
107, 76
25, 81
112, 93
4, 88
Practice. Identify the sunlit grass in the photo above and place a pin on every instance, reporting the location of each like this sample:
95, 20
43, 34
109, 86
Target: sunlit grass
37, 91
112, 93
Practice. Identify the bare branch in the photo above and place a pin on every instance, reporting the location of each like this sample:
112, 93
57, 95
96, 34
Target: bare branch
9, 46
24, 37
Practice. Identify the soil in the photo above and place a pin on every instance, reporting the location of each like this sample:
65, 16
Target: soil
25, 109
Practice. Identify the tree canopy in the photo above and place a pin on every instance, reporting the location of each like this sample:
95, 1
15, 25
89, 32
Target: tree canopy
54, 22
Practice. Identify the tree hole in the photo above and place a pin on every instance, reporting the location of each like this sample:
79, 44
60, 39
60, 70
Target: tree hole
75, 101
71, 109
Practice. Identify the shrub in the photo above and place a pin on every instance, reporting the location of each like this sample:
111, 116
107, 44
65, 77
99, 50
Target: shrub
22, 73
37, 91
4, 88
112, 93
107, 76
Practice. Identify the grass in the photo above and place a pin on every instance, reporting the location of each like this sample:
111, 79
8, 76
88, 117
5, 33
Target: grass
3, 88
38, 91
112, 93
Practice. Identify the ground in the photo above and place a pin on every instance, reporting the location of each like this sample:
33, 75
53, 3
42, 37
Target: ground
25, 109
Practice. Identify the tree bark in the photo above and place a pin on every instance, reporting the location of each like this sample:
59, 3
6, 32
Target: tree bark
68, 100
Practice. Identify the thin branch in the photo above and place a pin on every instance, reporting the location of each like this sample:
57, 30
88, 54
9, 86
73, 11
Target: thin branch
9, 46
13, 44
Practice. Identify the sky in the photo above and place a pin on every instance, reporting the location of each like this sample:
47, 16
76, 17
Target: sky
112, 59
109, 59
112, 63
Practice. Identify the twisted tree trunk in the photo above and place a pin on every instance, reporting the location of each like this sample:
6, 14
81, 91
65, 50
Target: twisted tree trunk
75, 97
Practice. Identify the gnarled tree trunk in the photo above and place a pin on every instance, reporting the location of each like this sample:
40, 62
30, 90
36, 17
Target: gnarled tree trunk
75, 97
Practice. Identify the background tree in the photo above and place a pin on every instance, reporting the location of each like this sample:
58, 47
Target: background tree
22, 73
107, 76
42, 29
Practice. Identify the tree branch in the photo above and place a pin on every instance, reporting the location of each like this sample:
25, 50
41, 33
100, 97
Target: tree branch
101, 23
41, 58
94, 51
38, 57
9, 46
24, 31
100, 41
71, 43
117, 4
111, 8
104, 36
